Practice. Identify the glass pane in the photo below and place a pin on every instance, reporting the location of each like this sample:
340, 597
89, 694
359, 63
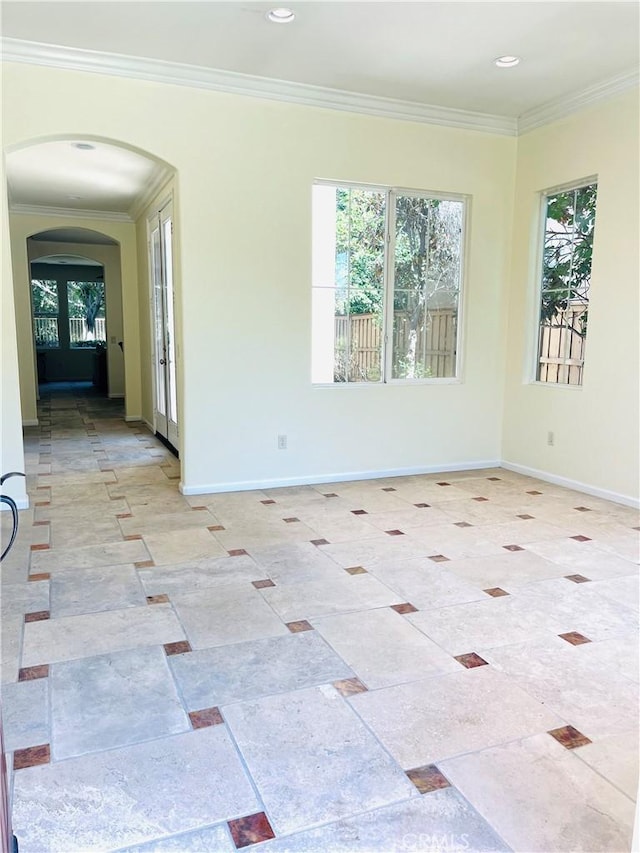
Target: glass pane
85, 300
348, 284
170, 331
158, 315
566, 276
44, 296
427, 270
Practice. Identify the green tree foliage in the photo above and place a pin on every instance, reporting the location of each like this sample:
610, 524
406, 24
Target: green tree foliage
568, 249
86, 300
45, 297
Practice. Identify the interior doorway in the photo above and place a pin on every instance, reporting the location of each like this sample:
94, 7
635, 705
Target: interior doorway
160, 227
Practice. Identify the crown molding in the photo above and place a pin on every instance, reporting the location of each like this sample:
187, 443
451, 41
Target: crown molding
160, 180
68, 212
562, 107
231, 82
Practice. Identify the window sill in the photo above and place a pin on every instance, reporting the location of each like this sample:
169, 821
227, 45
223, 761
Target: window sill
563, 385
393, 382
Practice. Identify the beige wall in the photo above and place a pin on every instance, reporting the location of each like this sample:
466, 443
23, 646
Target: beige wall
595, 426
245, 169
11, 445
122, 301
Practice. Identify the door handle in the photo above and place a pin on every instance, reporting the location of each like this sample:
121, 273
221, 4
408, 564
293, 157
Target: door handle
162, 361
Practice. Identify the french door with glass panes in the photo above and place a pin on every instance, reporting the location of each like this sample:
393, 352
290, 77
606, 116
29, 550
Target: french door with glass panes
164, 351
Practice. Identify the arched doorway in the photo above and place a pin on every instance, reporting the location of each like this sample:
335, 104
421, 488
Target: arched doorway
67, 185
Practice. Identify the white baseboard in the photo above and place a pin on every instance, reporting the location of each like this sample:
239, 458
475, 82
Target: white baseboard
131, 418
30, 422
607, 495
115, 396
149, 425
311, 479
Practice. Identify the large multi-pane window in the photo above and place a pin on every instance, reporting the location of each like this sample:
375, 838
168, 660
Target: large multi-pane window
569, 225
68, 314
387, 274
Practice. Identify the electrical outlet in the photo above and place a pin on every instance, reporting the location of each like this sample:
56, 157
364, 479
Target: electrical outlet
550, 439
282, 442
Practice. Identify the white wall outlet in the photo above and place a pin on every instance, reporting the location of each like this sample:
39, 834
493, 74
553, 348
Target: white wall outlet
550, 439
282, 442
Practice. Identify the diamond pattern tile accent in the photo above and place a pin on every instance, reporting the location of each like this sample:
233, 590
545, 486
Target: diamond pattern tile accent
428, 778
214, 528
263, 584
534, 492
37, 616
582, 508
577, 578
330, 495
206, 717
163, 598
31, 756
40, 576
359, 512
525, 516
41, 547
569, 737
439, 558
319, 541
575, 638
462, 524
389, 489
237, 552
406, 607
443, 484
144, 564
356, 570
31, 673
580, 538
422, 506
350, 686
471, 660
291, 520
178, 648
480, 499
250, 830
495, 592
268, 502
513, 548
299, 626
394, 532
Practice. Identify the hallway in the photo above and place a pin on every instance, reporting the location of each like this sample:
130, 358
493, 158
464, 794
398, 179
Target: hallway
428, 663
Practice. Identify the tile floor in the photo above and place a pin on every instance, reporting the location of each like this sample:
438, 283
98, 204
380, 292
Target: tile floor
428, 663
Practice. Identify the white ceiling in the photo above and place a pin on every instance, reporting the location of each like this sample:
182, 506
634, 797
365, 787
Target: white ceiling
436, 54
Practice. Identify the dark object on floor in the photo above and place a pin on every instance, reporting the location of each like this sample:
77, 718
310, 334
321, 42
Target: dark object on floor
5, 499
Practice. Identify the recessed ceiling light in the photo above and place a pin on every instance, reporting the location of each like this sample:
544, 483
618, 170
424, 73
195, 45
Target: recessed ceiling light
507, 61
281, 15
84, 146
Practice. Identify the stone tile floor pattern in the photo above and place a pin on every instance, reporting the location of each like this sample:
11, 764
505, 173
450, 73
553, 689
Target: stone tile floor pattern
416, 663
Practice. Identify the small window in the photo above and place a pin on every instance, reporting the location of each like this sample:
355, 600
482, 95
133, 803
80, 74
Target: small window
570, 215
86, 313
44, 296
387, 271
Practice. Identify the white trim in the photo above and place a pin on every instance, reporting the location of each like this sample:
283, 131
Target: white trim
576, 485
128, 419
313, 479
29, 422
151, 191
115, 396
562, 107
21, 503
68, 212
149, 425
182, 74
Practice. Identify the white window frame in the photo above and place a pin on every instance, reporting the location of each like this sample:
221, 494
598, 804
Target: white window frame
386, 357
534, 350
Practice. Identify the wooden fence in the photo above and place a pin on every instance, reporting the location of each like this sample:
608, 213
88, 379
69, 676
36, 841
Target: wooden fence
435, 345
561, 346
46, 333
